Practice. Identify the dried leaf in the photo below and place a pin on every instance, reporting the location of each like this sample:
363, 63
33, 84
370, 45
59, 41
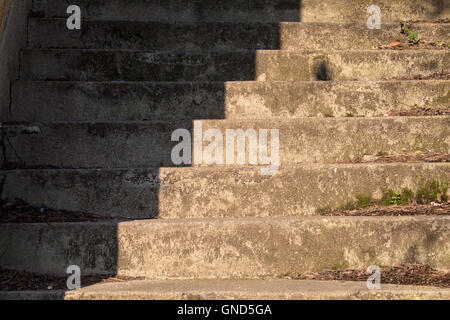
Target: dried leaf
395, 43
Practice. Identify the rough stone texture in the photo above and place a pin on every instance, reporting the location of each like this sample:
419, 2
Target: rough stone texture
105, 65
261, 10
215, 192
148, 144
226, 248
221, 35
112, 101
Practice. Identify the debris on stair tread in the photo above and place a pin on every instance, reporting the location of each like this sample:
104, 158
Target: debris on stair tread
416, 274
21, 212
433, 209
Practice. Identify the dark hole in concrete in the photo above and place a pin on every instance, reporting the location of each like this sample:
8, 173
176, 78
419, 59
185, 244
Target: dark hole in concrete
322, 72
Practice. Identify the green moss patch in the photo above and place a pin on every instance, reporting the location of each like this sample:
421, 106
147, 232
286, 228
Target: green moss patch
433, 191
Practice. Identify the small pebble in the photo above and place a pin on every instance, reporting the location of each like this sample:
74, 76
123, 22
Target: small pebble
370, 158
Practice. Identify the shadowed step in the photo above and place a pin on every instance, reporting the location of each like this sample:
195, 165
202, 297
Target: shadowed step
224, 36
226, 248
119, 101
255, 10
200, 192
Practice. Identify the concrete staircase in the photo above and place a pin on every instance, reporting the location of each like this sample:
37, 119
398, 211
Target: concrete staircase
90, 125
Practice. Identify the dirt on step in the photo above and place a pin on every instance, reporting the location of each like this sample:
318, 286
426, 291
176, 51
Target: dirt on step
442, 75
416, 274
397, 45
19, 166
416, 111
21, 212
420, 275
435, 209
23, 281
442, 20
405, 158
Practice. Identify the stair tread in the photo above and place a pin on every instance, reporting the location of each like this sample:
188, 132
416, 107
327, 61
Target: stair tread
191, 22
232, 221
245, 289
242, 51
237, 167
235, 289
269, 120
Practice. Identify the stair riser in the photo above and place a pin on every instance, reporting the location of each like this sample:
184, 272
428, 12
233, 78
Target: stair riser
210, 192
220, 249
241, 100
232, 66
135, 145
241, 10
219, 36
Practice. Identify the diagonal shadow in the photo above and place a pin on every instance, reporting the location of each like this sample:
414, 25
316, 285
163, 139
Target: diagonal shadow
96, 249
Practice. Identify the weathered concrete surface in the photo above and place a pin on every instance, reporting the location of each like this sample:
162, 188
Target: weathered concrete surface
51, 248
13, 26
113, 101
148, 144
251, 248
264, 65
215, 192
235, 290
239, 10
253, 290
221, 35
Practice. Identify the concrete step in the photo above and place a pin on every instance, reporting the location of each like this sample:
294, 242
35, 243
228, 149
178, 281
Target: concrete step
221, 35
255, 10
253, 248
118, 101
106, 65
200, 192
252, 289
149, 144
274, 289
